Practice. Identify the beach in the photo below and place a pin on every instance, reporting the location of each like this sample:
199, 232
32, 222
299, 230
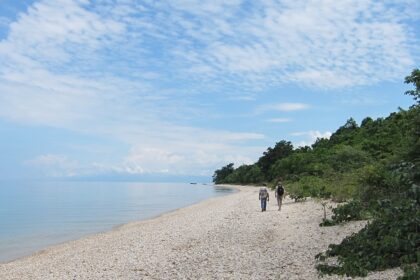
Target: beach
225, 237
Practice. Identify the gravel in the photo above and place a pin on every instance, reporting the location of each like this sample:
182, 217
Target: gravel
221, 238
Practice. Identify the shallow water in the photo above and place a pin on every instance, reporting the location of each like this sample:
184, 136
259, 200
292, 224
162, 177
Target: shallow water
36, 215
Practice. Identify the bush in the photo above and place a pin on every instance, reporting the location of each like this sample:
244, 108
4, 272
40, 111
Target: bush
297, 197
411, 272
351, 211
391, 240
309, 186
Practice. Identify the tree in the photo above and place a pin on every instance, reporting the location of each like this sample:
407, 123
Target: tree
414, 79
366, 122
282, 149
346, 133
245, 174
220, 175
320, 143
350, 124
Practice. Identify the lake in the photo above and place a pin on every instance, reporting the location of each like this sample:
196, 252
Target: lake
36, 215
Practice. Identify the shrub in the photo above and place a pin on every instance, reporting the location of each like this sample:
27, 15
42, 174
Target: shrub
392, 239
351, 211
411, 272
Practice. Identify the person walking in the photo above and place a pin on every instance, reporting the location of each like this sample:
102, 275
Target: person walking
263, 196
279, 192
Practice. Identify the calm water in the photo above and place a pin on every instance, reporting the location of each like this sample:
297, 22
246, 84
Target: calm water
36, 215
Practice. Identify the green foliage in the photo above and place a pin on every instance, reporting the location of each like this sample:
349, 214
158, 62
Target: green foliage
344, 158
339, 187
411, 272
350, 149
220, 175
309, 186
351, 211
346, 134
297, 197
374, 166
386, 242
414, 79
392, 238
281, 150
245, 174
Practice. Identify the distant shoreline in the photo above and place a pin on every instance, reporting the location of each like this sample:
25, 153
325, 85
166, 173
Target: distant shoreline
220, 237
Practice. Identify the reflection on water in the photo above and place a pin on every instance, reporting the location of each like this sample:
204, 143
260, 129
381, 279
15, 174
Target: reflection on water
223, 189
36, 215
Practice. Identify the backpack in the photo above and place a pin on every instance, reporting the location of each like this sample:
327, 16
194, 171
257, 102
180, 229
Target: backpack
280, 190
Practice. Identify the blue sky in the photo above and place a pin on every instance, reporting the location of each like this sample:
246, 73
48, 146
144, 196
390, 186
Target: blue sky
180, 88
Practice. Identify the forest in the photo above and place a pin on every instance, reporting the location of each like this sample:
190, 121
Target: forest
372, 170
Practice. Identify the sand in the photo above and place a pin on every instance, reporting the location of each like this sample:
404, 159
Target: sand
221, 238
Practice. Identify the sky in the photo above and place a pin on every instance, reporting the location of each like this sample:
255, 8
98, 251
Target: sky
164, 89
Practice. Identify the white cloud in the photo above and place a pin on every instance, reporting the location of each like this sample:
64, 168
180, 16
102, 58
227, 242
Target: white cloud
279, 120
282, 107
62, 28
55, 165
180, 161
317, 43
203, 8
126, 71
310, 137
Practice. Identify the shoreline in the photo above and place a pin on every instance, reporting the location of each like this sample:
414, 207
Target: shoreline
166, 212
115, 227
225, 237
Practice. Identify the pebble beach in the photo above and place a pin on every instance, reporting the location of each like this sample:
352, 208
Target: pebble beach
221, 238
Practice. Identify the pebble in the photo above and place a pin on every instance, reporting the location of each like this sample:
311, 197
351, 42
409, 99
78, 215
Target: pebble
221, 238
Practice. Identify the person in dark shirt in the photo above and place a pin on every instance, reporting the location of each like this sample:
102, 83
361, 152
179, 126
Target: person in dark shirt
279, 192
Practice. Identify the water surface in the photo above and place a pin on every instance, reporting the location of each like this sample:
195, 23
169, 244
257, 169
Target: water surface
36, 215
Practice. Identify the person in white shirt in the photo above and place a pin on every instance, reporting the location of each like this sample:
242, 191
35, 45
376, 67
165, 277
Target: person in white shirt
263, 196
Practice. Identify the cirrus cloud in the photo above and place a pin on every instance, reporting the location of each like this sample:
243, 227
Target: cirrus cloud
129, 70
